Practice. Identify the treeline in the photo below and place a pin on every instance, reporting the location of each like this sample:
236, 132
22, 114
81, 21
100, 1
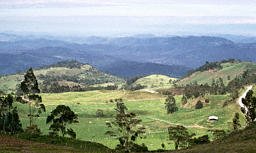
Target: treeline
52, 84
217, 87
55, 87
195, 90
248, 77
69, 64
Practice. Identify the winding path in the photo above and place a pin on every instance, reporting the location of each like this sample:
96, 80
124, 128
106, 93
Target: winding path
239, 100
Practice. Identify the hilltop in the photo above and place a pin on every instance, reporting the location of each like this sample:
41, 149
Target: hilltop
65, 76
227, 70
155, 81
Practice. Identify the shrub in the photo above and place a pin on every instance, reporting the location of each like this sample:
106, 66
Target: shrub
99, 113
201, 140
207, 101
199, 105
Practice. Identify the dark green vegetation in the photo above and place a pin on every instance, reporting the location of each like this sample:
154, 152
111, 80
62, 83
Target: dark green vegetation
64, 77
9, 118
42, 144
227, 70
131, 115
60, 117
242, 141
218, 78
126, 127
250, 107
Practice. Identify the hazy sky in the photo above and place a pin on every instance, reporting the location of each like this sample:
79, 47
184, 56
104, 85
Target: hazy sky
121, 17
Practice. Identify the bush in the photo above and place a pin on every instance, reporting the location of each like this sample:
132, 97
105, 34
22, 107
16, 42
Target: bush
134, 148
99, 113
207, 101
199, 105
201, 140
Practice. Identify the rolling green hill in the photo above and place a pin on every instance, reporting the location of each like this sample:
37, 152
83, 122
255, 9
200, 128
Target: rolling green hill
227, 71
70, 75
150, 107
155, 81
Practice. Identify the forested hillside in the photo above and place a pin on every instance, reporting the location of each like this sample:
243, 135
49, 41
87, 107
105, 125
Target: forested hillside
63, 77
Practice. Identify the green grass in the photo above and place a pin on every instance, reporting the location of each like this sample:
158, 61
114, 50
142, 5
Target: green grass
229, 69
150, 108
155, 81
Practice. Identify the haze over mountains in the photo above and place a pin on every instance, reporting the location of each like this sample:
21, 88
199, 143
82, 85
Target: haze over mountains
123, 56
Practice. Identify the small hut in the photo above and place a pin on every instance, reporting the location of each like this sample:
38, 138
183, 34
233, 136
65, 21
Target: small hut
213, 118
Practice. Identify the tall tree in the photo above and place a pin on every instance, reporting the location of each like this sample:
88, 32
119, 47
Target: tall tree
250, 107
236, 122
184, 100
60, 117
9, 117
28, 92
126, 127
170, 104
180, 135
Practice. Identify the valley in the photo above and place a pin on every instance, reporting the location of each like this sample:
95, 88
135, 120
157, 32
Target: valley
160, 95
149, 107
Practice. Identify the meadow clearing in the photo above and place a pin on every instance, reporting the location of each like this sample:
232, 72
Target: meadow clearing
149, 107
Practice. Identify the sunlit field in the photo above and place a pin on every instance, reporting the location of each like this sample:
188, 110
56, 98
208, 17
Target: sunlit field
149, 107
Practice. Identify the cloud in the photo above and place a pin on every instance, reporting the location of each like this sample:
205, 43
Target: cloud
123, 15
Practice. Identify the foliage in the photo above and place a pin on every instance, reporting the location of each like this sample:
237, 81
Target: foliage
184, 100
9, 117
126, 128
134, 87
99, 113
195, 90
65, 76
28, 93
210, 65
218, 134
236, 122
33, 131
201, 140
170, 104
247, 77
234, 94
60, 117
199, 105
69, 64
250, 107
180, 135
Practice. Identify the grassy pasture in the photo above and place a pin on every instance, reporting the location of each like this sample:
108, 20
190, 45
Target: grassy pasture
156, 81
228, 69
150, 108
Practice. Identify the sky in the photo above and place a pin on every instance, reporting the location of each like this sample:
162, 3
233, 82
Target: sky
128, 17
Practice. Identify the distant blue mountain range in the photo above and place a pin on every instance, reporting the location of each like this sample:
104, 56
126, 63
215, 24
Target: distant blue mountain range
125, 56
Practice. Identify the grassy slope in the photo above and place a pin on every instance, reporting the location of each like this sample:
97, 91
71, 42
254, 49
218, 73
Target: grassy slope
229, 69
150, 107
155, 81
10, 144
241, 142
86, 72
